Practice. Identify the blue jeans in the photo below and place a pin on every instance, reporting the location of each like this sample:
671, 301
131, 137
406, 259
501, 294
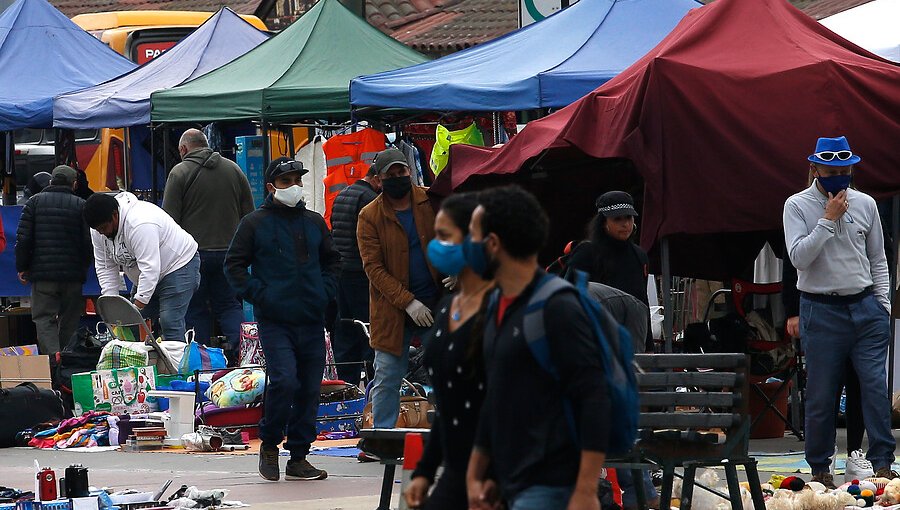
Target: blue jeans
295, 362
215, 294
542, 497
389, 373
831, 334
171, 298
350, 343
626, 483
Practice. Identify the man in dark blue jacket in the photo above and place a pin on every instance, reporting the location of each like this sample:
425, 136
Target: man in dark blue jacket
53, 254
293, 277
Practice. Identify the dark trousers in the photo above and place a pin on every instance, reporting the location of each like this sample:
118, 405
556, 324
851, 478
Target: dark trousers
449, 492
295, 362
853, 411
215, 299
350, 342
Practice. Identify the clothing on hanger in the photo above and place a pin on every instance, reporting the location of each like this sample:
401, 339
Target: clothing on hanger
312, 155
347, 158
444, 138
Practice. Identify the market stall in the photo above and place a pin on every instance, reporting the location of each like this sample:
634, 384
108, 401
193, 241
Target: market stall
302, 73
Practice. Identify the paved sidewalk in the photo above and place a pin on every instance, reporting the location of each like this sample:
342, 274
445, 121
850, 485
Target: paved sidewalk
350, 485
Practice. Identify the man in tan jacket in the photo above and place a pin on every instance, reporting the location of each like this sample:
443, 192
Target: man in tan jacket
393, 232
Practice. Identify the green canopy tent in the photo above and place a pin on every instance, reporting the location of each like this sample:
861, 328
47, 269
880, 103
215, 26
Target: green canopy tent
302, 73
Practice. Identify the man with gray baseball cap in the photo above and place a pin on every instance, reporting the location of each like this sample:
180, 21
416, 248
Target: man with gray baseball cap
393, 231
53, 254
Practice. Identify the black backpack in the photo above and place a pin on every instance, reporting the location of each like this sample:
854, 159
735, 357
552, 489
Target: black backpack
560, 266
80, 355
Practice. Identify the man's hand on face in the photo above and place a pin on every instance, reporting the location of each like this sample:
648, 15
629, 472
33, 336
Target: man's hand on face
837, 205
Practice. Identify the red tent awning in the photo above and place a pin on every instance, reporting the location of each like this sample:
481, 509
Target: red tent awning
718, 119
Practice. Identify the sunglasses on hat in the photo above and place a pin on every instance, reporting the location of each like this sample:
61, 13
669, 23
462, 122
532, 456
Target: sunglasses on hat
831, 155
291, 166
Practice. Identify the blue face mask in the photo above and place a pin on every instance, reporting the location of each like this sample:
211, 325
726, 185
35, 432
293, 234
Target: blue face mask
835, 184
476, 258
446, 257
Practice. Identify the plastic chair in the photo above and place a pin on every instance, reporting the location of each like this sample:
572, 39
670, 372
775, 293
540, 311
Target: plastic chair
120, 312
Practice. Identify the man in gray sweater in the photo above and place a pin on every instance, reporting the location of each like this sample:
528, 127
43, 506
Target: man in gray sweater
834, 238
208, 195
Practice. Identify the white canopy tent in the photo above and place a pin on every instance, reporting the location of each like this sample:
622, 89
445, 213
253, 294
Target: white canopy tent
873, 25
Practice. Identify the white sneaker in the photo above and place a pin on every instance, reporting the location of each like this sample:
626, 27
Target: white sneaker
858, 468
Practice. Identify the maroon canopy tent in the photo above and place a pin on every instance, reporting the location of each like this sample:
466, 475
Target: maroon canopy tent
717, 120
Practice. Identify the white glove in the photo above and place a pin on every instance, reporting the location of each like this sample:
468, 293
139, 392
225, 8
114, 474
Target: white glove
419, 313
450, 282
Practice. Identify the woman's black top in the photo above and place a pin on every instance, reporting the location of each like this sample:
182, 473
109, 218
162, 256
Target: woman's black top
620, 264
457, 376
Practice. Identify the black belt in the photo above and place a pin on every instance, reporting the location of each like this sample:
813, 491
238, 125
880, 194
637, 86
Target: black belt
834, 299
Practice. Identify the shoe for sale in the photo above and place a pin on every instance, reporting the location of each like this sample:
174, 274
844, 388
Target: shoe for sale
825, 479
858, 468
364, 455
886, 472
268, 463
303, 470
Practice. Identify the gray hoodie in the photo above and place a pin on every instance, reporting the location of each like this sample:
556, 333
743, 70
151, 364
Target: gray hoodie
208, 195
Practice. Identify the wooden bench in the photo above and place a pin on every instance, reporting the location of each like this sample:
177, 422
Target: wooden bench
706, 426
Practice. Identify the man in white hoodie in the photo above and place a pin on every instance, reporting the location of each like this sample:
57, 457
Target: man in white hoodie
158, 257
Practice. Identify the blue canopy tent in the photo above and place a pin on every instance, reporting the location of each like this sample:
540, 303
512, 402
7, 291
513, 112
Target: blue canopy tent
549, 64
125, 101
43, 54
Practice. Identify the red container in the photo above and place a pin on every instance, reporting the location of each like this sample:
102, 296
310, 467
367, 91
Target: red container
770, 424
47, 484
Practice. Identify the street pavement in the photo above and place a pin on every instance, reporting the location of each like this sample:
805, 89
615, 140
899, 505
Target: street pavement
351, 485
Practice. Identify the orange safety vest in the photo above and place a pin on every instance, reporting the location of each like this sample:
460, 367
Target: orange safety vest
347, 158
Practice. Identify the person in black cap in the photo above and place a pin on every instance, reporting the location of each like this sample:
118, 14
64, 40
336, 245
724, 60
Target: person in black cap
611, 258
294, 276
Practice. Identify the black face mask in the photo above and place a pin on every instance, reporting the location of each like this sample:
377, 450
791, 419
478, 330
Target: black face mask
397, 187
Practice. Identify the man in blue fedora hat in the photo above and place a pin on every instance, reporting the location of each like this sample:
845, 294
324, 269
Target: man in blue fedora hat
834, 238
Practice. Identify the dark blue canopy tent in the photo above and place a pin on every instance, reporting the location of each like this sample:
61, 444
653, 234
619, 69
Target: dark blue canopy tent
125, 101
549, 64
43, 54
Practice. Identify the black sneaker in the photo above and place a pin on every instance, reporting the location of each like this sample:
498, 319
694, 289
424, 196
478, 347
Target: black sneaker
303, 470
268, 463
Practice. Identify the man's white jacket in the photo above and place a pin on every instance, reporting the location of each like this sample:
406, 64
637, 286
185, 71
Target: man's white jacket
148, 246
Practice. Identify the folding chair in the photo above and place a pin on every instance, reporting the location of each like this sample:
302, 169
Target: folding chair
790, 374
120, 312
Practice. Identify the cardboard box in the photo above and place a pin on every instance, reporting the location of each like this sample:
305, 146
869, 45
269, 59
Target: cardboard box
15, 370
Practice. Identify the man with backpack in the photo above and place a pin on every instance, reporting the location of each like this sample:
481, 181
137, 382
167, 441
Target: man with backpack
208, 195
545, 424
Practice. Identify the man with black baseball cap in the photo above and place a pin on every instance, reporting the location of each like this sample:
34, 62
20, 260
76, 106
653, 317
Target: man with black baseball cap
294, 276
53, 253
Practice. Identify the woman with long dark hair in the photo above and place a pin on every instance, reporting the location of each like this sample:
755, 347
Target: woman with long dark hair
454, 361
608, 255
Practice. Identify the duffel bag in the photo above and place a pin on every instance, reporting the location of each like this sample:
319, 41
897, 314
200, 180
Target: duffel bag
23, 407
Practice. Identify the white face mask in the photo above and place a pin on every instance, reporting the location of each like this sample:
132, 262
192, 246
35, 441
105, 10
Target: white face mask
289, 196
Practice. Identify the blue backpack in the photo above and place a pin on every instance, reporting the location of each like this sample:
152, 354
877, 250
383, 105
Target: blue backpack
616, 353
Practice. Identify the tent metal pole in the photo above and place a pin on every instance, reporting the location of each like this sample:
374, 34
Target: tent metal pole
126, 156
166, 151
292, 151
267, 156
668, 302
154, 174
9, 169
895, 248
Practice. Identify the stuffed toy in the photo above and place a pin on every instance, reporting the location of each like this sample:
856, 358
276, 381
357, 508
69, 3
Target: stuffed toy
891, 493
